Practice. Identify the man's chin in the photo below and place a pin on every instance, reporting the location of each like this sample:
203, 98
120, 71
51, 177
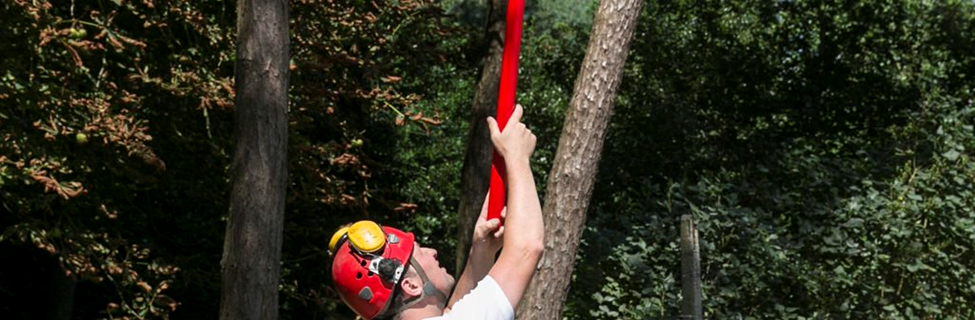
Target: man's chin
450, 278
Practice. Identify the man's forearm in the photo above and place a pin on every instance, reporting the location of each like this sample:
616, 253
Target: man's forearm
478, 265
524, 234
524, 225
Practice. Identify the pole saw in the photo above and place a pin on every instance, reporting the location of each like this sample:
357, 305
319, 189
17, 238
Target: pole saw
506, 100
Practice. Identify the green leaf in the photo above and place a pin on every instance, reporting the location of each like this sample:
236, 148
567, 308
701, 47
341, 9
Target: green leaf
951, 155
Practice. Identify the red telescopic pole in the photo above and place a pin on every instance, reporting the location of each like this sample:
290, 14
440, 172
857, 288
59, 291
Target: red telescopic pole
506, 99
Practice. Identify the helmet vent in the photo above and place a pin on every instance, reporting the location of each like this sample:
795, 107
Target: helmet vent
365, 294
358, 275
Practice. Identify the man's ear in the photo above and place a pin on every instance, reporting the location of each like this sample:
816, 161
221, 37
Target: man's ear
412, 286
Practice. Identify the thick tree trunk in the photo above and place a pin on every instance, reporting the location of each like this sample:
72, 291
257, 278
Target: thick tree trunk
476, 173
573, 175
252, 248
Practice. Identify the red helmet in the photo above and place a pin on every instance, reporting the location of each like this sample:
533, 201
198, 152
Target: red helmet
368, 263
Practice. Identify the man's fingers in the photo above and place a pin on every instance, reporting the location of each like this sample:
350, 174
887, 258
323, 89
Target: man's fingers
493, 126
482, 230
484, 206
500, 233
516, 115
490, 226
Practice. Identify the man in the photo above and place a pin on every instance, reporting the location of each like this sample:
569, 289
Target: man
381, 272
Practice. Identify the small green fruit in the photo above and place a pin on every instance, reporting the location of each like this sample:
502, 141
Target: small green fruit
77, 33
357, 142
81, 137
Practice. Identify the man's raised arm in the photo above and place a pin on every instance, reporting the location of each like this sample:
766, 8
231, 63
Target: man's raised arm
524, 229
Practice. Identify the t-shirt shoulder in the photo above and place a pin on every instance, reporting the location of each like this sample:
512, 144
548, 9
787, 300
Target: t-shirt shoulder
486, 302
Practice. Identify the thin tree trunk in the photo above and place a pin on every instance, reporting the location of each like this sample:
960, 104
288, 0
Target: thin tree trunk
252, 248
476, 173
571, 180
63, 285
690, 270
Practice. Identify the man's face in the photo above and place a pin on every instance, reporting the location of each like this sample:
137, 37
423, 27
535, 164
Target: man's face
427, 258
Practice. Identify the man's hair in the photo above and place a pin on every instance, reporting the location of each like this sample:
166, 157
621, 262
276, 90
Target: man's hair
398, 299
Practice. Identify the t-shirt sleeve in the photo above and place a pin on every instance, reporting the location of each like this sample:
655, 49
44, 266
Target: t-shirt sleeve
485, 302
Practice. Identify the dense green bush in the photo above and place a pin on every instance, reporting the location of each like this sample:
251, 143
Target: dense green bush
821, 147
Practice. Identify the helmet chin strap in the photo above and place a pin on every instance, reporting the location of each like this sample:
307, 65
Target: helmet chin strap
428, 290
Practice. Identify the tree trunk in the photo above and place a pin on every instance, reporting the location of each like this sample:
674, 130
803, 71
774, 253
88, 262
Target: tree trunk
252, 248
63, 283
476, 173
690, 270
571, 180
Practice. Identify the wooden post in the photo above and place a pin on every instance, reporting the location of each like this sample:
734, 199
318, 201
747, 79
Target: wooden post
691, 306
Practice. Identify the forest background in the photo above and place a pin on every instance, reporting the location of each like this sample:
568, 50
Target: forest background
824, 148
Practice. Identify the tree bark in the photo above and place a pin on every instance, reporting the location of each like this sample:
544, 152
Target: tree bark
252, 248
63, 283
476, 172
573, 174
691, 306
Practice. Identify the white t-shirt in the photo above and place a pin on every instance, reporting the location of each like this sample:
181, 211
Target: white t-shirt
485, 302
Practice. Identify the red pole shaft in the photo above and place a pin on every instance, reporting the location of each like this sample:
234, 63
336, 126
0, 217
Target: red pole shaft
506, 99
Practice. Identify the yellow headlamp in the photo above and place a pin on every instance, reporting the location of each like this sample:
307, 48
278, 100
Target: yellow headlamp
364, 236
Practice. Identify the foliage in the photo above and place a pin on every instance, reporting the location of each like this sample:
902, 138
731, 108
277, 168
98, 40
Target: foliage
821, 146
98, 100
116, 141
